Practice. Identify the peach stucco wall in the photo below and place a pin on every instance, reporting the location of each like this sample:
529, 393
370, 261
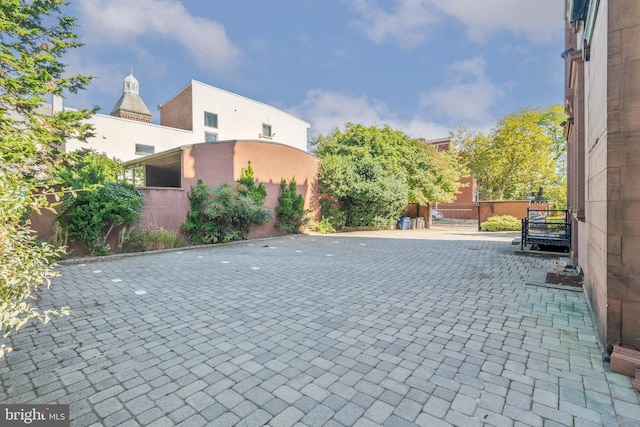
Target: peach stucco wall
164, 207
222, 162
516, 208
215, 164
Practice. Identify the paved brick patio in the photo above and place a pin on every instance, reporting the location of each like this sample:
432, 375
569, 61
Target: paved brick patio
404, 328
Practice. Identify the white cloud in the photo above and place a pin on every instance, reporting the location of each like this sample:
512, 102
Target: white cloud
327, 110
107, 79
410, 20
539, 20
465, 98
407, 24
123, 21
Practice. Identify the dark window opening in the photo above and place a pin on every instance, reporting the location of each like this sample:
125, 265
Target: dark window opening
210, 120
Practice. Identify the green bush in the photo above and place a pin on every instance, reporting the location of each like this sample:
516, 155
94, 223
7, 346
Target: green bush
325, 226
223, 214
290, 212
363, 191
97, 202
332, 214
88, 216
502, 223
249, 188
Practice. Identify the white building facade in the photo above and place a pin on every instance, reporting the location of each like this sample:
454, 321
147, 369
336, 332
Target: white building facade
197, 113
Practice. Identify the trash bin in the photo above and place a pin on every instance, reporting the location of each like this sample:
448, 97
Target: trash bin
404, 223
414, 223
420, 223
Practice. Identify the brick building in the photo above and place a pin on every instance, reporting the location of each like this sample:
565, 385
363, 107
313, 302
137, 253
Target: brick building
602, 101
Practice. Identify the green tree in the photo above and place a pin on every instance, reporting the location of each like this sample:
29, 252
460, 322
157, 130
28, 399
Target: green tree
290, 211
99, 201
365, 193
34, 35
85, 168
372, 173
519, 157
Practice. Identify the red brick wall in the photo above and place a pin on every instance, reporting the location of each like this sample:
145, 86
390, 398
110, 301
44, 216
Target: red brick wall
178, 112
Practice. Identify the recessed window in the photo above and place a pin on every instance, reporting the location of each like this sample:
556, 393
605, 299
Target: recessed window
266, 130
210, 137
145, 149
210, 120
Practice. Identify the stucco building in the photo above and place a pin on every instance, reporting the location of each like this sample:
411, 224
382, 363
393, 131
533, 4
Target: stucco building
197, 113
602, 101
204, 133
168, 177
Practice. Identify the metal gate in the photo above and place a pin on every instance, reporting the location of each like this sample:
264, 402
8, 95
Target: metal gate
457, 215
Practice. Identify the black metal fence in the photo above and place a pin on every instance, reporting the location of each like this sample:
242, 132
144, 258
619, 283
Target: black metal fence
546, 229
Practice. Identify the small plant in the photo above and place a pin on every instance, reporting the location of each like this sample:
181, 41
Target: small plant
257, 192
60, 237
290, 213
502, 223
154, 239
325, 226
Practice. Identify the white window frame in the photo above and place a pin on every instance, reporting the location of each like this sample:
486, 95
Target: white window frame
269, 129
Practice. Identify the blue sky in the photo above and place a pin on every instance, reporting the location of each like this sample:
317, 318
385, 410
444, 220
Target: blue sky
421, 66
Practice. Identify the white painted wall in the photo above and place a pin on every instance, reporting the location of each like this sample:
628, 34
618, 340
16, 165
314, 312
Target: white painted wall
118, 137
242, 118
238, 118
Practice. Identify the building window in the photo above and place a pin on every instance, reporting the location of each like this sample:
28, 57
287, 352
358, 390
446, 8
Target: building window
210, 120
210, 137
266, 131
145, 149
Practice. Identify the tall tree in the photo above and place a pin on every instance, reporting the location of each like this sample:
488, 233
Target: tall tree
34, 36
365, 169
519, 157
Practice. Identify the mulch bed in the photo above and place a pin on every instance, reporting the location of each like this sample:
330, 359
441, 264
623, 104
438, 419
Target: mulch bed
564, 279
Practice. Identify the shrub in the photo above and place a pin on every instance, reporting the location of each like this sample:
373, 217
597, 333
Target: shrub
363, 190
223, 214
88, 216
97, 202
154, 239
290, 212
332, 214
502, 223
249, 188
324, 226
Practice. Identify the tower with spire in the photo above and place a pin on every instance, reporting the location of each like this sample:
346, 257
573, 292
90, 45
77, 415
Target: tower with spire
130, 105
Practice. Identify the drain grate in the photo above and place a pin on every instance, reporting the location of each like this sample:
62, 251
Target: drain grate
564, 279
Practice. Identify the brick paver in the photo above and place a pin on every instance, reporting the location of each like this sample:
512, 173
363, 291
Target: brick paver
383, 328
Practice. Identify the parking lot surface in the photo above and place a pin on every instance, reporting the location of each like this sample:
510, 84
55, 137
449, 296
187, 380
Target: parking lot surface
398, 328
